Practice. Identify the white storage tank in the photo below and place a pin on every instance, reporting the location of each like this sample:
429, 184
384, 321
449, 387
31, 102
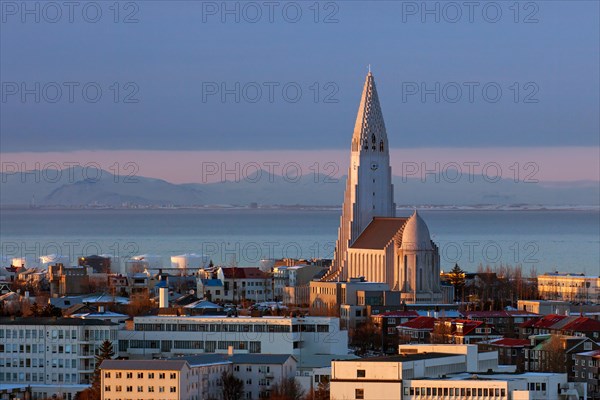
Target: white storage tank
20, 261
53, 259
189, 261
143, 262
267, 264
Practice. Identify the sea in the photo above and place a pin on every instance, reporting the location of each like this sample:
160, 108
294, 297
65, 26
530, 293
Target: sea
538, 240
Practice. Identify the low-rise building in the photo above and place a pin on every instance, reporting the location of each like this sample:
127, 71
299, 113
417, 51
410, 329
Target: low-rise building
170, 335
259, 372
162, 379
572, 287
587, 370
453, 372
506, 323
510, 351
416, 330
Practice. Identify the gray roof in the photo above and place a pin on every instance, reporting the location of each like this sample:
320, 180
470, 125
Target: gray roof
144, 365
53, 321
236, 358
403, 357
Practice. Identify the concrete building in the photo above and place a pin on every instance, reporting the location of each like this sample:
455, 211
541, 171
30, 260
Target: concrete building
544, 307
245, 283
291, 283
326, 297
162, 379
169, 336
51, 354
259, 372
566, 286
68, 280
443, 372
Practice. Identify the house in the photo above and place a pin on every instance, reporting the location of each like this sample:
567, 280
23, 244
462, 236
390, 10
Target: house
463, 331
587, 369
416, 330
556, 353
510, 351
506, 323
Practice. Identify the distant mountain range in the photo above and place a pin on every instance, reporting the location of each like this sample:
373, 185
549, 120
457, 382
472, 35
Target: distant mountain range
56, 188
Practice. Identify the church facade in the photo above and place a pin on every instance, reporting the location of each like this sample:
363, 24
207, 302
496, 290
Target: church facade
372, 242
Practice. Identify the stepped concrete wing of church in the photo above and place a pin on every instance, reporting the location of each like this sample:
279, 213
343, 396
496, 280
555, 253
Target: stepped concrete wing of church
373, 243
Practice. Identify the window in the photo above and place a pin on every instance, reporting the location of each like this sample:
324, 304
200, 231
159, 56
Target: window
151, 375
173, 375
161, 375
107, 374
359, 393
130, 375
130, 388
151, 389
140, 375
140, 389
173, 389
360, 373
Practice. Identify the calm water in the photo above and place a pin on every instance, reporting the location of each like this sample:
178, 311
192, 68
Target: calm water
547, 240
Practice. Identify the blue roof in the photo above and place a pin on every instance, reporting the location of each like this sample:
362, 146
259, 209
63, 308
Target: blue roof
212, 282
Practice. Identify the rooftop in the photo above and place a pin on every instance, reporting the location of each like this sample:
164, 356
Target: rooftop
379, 233
53, 321
403, 357
202, 359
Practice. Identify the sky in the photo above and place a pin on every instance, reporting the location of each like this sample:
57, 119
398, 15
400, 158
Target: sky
172, 81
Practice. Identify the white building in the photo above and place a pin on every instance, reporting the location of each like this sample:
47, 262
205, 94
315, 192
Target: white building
527, 386
52, 355
169, 336
569, 287
162, 379
259, 372
449, 372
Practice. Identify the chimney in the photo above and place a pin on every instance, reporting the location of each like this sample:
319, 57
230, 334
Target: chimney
101, 309
163, 297
230, 350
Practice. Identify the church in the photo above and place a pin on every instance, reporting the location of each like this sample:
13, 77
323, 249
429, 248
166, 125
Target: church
372, 242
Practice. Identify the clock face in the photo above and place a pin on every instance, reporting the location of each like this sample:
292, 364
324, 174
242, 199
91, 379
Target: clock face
374, 166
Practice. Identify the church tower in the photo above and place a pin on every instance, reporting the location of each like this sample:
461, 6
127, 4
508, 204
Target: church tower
369, 191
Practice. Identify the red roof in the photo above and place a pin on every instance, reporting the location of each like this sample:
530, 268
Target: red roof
583, 324
547, 321
508, 342
398, 314
498, 314
420, 323
243, 273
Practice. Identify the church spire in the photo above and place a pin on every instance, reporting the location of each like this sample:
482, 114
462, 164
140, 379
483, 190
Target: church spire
369, 128
369, 191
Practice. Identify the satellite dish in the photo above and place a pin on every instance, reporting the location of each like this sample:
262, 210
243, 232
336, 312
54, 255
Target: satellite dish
192, 291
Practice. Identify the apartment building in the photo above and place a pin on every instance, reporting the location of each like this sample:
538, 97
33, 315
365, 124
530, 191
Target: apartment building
162, 379
53, 355
571, 287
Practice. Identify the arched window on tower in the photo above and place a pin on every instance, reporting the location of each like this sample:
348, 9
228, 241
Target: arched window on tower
374, 141
366, 144
381, 145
